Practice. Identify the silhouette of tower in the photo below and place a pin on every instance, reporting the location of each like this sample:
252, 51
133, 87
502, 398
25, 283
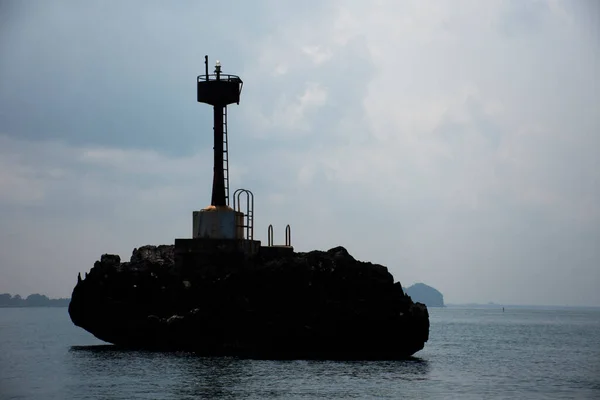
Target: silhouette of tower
219, 227
219, 90
219, 221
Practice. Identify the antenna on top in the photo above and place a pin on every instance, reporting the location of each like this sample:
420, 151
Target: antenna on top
206, 66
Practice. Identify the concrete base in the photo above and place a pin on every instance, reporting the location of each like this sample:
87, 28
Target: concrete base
217, 223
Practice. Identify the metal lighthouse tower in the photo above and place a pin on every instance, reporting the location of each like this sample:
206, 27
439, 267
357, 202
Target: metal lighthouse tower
220, 227
219, 221
219, 90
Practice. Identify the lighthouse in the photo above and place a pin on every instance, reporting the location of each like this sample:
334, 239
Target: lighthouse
219, 90
224, 225
219, 220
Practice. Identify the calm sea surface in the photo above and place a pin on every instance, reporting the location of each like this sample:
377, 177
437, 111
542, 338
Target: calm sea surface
471, 354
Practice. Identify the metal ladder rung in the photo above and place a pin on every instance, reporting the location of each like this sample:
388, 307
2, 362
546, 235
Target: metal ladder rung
225, 156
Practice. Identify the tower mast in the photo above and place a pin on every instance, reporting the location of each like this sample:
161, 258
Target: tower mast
218, 188
219, 90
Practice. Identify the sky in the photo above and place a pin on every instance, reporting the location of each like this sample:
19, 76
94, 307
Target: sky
455, 142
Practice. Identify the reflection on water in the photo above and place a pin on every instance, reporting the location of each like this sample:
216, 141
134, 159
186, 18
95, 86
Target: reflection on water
185, 375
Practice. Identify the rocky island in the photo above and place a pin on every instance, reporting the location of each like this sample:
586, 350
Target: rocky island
425, 294
304, 305
221, 292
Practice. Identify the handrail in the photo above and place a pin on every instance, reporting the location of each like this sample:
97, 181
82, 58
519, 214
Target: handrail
288, 235
222, 77
249, 210
270, 236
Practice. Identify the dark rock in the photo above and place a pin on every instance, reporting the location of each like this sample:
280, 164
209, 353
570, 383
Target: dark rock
110, 260
305, 305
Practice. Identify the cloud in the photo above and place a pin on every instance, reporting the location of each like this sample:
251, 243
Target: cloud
290, 117
457, 145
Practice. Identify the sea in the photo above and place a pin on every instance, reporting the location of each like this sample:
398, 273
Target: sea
472, 353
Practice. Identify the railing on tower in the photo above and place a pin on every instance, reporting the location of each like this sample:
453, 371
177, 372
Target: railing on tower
288, 236
248, 225
218, 88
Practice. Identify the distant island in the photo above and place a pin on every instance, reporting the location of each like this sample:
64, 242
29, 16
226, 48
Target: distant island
427, 295
33, 300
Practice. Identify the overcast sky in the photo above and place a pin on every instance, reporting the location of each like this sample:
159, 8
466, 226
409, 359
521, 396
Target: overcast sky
456, 142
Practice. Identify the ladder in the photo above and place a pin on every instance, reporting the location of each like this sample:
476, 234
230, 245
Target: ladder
250, 222
249, 214
225, 156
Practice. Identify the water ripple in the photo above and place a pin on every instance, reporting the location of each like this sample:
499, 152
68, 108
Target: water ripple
471, 354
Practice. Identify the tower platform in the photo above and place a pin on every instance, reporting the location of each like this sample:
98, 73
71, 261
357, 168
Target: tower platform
220, 230
204, 246
194, 251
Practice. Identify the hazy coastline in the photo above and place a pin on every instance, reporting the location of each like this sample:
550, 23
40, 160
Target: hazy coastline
33, 300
